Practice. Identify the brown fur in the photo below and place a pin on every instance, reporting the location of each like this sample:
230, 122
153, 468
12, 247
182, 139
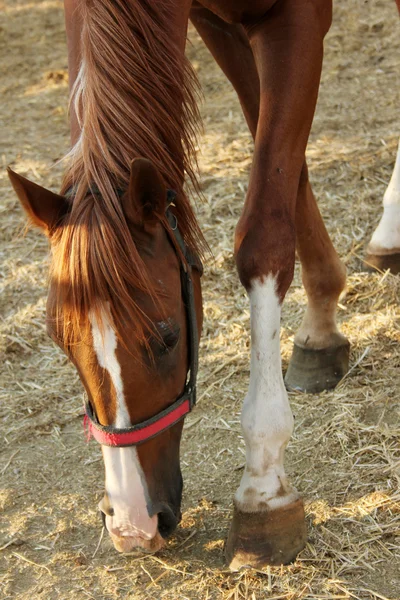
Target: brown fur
134, 96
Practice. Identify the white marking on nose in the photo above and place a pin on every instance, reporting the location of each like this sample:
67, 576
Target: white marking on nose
387, 235
125, 487
125, 480
267, 420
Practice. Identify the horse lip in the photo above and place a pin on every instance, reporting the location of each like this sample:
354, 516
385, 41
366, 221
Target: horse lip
131, 533
125, 544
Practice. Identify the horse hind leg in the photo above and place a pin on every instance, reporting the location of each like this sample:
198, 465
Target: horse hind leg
320, 356
383, 251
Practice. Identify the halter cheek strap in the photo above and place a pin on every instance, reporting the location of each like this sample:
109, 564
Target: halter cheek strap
132, 436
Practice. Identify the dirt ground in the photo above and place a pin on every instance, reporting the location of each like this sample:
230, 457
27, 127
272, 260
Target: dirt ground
345, 454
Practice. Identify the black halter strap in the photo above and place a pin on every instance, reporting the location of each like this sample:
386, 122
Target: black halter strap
132, 436
189, 300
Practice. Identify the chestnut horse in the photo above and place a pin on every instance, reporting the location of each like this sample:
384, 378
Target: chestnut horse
124, 298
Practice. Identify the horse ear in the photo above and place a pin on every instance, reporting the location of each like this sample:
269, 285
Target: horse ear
44, 208
146, 197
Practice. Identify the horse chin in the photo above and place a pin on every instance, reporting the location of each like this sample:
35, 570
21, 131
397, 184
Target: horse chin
126, 544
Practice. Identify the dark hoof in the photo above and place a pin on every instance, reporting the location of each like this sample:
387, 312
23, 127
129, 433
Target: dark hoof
383, 262
266, 538
313, 371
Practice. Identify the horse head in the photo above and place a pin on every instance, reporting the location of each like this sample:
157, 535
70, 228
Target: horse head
118, 308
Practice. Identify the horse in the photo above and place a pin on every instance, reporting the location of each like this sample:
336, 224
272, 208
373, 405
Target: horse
124, 299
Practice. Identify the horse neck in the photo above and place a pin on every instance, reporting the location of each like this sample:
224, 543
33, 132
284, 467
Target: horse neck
134, 94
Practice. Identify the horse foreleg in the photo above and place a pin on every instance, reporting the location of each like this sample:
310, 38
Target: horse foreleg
384, 248
268, 524
321, 353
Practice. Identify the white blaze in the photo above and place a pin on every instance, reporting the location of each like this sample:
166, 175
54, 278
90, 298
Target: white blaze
386, 236
105, 346
125, 481
267, 420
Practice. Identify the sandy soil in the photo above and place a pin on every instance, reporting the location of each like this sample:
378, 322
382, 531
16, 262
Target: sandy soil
344, 456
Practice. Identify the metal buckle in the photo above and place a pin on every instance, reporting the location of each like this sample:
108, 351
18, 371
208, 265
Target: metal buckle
175, 226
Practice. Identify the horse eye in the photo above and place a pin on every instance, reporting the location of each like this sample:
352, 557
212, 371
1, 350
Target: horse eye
171, 339
166, 338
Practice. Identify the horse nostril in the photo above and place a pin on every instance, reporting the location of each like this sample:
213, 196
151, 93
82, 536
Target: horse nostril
105, 508
103, 519
106, 511
167, 521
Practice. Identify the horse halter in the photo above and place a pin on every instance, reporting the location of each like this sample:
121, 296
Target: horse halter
107, 435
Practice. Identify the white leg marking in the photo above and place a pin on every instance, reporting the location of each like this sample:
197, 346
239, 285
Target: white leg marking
386, 237
125, 481
267, 420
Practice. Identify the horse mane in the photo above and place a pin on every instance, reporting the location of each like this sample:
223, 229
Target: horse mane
135, 95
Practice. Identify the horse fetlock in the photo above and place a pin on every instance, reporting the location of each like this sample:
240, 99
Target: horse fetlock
324, 281
267, 537
383, 262
383, 251
266, 489
318, 329
386, 237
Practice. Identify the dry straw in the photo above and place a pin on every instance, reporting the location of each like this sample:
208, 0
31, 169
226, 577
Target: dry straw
344, 455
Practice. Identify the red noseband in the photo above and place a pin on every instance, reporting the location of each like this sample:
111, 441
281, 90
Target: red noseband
109, 436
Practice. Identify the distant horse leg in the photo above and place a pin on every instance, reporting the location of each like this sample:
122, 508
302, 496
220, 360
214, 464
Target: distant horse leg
229, 45
321, 354
384, 248
383, 251
268, 524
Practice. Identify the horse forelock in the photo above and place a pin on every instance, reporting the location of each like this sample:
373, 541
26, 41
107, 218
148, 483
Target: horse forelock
96, 268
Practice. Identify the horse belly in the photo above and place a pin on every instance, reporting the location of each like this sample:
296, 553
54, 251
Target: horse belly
238, 11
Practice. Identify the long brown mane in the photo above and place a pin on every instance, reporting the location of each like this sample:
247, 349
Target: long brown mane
135, 95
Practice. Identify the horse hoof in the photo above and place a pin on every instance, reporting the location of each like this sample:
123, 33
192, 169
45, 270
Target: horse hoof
313, 371
273, 537
383, 262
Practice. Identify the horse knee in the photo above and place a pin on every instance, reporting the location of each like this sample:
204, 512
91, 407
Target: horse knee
266, 246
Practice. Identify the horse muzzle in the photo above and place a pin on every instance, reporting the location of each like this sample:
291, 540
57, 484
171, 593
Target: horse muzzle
126, 536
